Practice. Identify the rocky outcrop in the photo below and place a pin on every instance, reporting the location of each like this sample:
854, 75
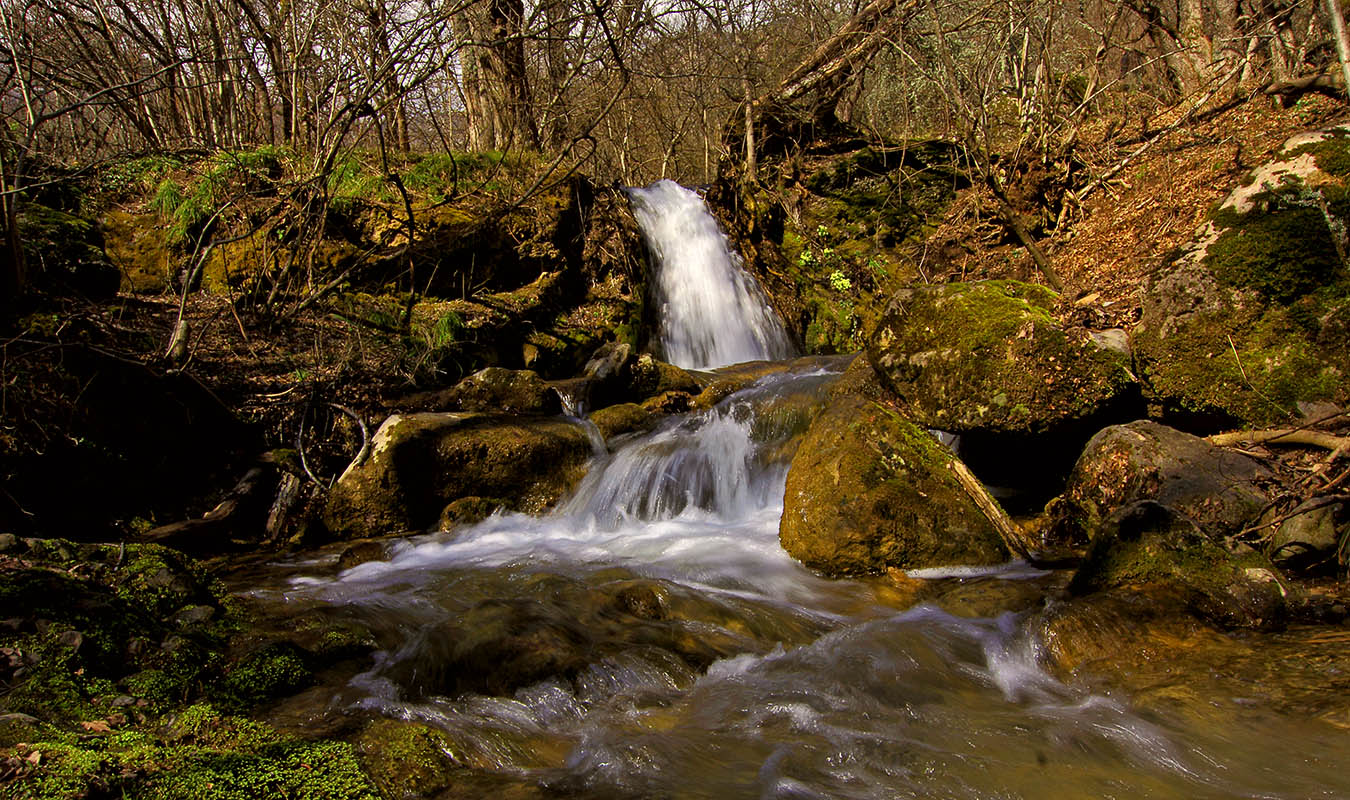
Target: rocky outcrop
990, 358
1252, 318
65, 252
420, 463
868, 489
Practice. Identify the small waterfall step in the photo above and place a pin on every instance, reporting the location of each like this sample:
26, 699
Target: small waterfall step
711, 312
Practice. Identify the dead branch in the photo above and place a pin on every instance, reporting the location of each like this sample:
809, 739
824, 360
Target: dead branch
1281, 436
1007, 529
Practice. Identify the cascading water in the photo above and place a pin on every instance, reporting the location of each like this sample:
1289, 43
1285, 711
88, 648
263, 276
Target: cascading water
710, 312
650, 638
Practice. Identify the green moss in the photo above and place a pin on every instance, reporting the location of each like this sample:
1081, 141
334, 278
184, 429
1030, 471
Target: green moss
398, 755
1332, 155
1283, 252
199, 754
278, 669
1251, 367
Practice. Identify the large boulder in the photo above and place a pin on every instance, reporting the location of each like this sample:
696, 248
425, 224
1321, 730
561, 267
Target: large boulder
1252, 318
1219, 490
419, 463
868, 489
990, 358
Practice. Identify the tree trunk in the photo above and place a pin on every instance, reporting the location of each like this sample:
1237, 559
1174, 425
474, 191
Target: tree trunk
1340, 37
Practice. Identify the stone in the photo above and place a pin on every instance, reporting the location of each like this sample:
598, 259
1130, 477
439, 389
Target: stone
8, 541
1311, 536
1219, 490
499, 389
467, 511
1147, 546
625, 418
869, 490
419, 463
989, 357
1251, 318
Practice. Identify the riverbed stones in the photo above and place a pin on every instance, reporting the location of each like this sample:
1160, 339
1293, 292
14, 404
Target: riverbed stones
1219, 490
989, 357
1252, 317
419, 463
868, 489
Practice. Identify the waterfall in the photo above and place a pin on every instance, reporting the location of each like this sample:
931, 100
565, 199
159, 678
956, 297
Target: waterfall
711, 312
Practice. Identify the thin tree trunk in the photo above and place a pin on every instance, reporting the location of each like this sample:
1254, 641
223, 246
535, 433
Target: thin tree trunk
1342, 40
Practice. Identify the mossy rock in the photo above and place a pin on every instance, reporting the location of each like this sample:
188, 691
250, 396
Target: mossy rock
1148, 546
499, 389
1248, 321
276, 669
624, 418
138, 246
990, 358
63, 251
407, 759
421, 462
868, 490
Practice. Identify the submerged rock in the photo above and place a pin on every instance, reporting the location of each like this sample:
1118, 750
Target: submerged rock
419, 463
1252, 318
868, 490
989, 357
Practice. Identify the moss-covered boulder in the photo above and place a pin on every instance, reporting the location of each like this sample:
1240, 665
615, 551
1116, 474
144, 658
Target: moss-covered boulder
1219, 490
494, 389
1252, 318
989, 357
138, 246
868, 489
1148, 547
64, 251
421, 462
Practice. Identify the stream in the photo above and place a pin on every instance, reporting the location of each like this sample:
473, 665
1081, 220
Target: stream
650, 638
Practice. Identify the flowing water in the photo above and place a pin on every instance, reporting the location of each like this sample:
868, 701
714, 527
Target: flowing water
710, 312
651, 639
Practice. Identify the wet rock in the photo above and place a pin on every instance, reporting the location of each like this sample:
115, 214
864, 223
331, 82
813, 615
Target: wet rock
419, 463
624, 418
1149, 547
633, 379
1219, 490
467, 511
989, 357
868, 489
406, 759
1252, 317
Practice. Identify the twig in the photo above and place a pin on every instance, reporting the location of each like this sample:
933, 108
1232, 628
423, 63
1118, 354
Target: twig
1310, 506
361, 454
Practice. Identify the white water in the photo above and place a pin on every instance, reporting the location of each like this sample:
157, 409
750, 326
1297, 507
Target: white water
711, 313
746, 676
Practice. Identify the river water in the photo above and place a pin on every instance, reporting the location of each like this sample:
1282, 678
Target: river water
650, 639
